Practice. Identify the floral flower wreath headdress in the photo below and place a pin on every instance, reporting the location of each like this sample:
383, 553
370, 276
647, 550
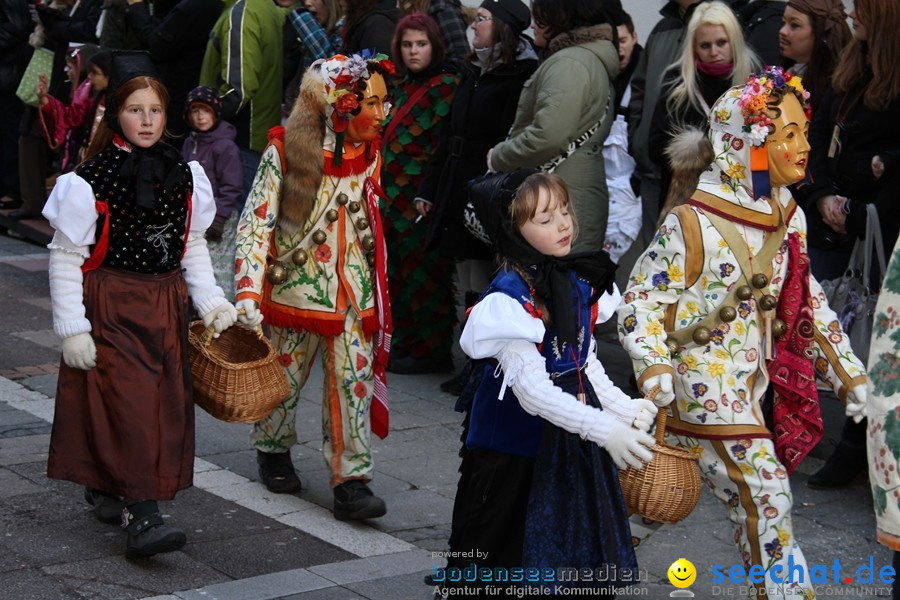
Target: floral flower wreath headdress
345, 84
745, 114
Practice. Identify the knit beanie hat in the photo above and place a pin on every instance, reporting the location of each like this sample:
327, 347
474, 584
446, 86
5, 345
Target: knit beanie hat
512, 12
206, 96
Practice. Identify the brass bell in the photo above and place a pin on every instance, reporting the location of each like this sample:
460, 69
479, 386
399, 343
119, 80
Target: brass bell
368, 243
299, 257
727, 314
701, 336
759, 281
362, 223
370, 258
276, 274
342, 198
673, 347
768, 302
744, 292
353, 207
779, 328
331, 215
319, 236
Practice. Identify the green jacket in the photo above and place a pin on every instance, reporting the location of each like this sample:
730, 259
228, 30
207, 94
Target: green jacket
244, 62
570, 92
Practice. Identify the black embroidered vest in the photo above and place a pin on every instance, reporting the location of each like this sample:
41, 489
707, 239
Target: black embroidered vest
141, 240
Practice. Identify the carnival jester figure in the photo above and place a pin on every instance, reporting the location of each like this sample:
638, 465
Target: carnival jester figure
721, 308
311, 261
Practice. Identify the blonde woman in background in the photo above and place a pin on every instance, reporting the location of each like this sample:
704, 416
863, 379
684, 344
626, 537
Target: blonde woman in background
714, 57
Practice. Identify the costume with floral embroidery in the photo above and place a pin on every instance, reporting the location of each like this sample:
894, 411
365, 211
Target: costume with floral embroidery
315, 277
883, 412
691, 273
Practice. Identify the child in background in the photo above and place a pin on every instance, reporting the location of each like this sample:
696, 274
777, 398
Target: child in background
72, 126
547, 429
211, 143
127, 252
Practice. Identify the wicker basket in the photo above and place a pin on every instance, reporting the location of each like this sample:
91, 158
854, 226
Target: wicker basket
668, 487
236, 377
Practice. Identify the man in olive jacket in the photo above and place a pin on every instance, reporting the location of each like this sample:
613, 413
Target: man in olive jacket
569, 98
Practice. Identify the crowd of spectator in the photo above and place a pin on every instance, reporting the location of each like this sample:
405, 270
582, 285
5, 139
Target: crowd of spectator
563, 86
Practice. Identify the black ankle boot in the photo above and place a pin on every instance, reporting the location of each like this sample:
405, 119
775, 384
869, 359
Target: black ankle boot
353, 500
147, 534
848, 461
457, 383
107, 507
276, 471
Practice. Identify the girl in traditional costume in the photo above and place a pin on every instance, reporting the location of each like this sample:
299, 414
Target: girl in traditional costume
547, 428
128, 250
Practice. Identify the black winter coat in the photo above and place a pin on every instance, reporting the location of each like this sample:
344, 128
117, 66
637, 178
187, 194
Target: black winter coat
177, 44
481, 116
666, 123
62, 28
15, 25
761, 20
375, 30
865, 133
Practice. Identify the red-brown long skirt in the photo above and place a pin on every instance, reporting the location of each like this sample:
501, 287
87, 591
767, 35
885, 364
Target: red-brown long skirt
127, 425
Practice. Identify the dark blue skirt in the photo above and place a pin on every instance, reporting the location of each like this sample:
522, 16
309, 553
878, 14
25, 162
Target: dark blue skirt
576, 517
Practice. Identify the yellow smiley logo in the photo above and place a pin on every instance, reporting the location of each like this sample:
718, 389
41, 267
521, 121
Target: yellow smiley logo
682, 573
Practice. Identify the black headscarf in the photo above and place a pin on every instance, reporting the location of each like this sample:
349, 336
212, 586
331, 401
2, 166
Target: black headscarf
491, 196
149, 167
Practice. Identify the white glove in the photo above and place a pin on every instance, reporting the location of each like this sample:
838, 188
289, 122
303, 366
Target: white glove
79, 351
666, 393
646, 415
629, 447
857, 398
251, 315
221, 318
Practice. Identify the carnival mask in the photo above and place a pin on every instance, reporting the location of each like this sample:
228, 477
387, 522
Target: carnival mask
787, 146
365, 126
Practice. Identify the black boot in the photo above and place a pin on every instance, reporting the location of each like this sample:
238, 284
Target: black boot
848, 461
353, 500
410, 365
276, 471
457, 383
147, 534
107, 507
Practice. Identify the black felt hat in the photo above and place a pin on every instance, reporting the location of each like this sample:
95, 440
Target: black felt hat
125, 66
512, 12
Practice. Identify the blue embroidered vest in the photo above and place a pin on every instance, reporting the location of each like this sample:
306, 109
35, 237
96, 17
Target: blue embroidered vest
503, 425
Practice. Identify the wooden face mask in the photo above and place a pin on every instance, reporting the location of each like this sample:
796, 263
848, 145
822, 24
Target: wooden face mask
365, 126
787, 146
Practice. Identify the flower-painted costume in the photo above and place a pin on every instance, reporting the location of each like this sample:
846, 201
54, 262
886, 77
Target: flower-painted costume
883, 413
725, 275
318, 272
421, 281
